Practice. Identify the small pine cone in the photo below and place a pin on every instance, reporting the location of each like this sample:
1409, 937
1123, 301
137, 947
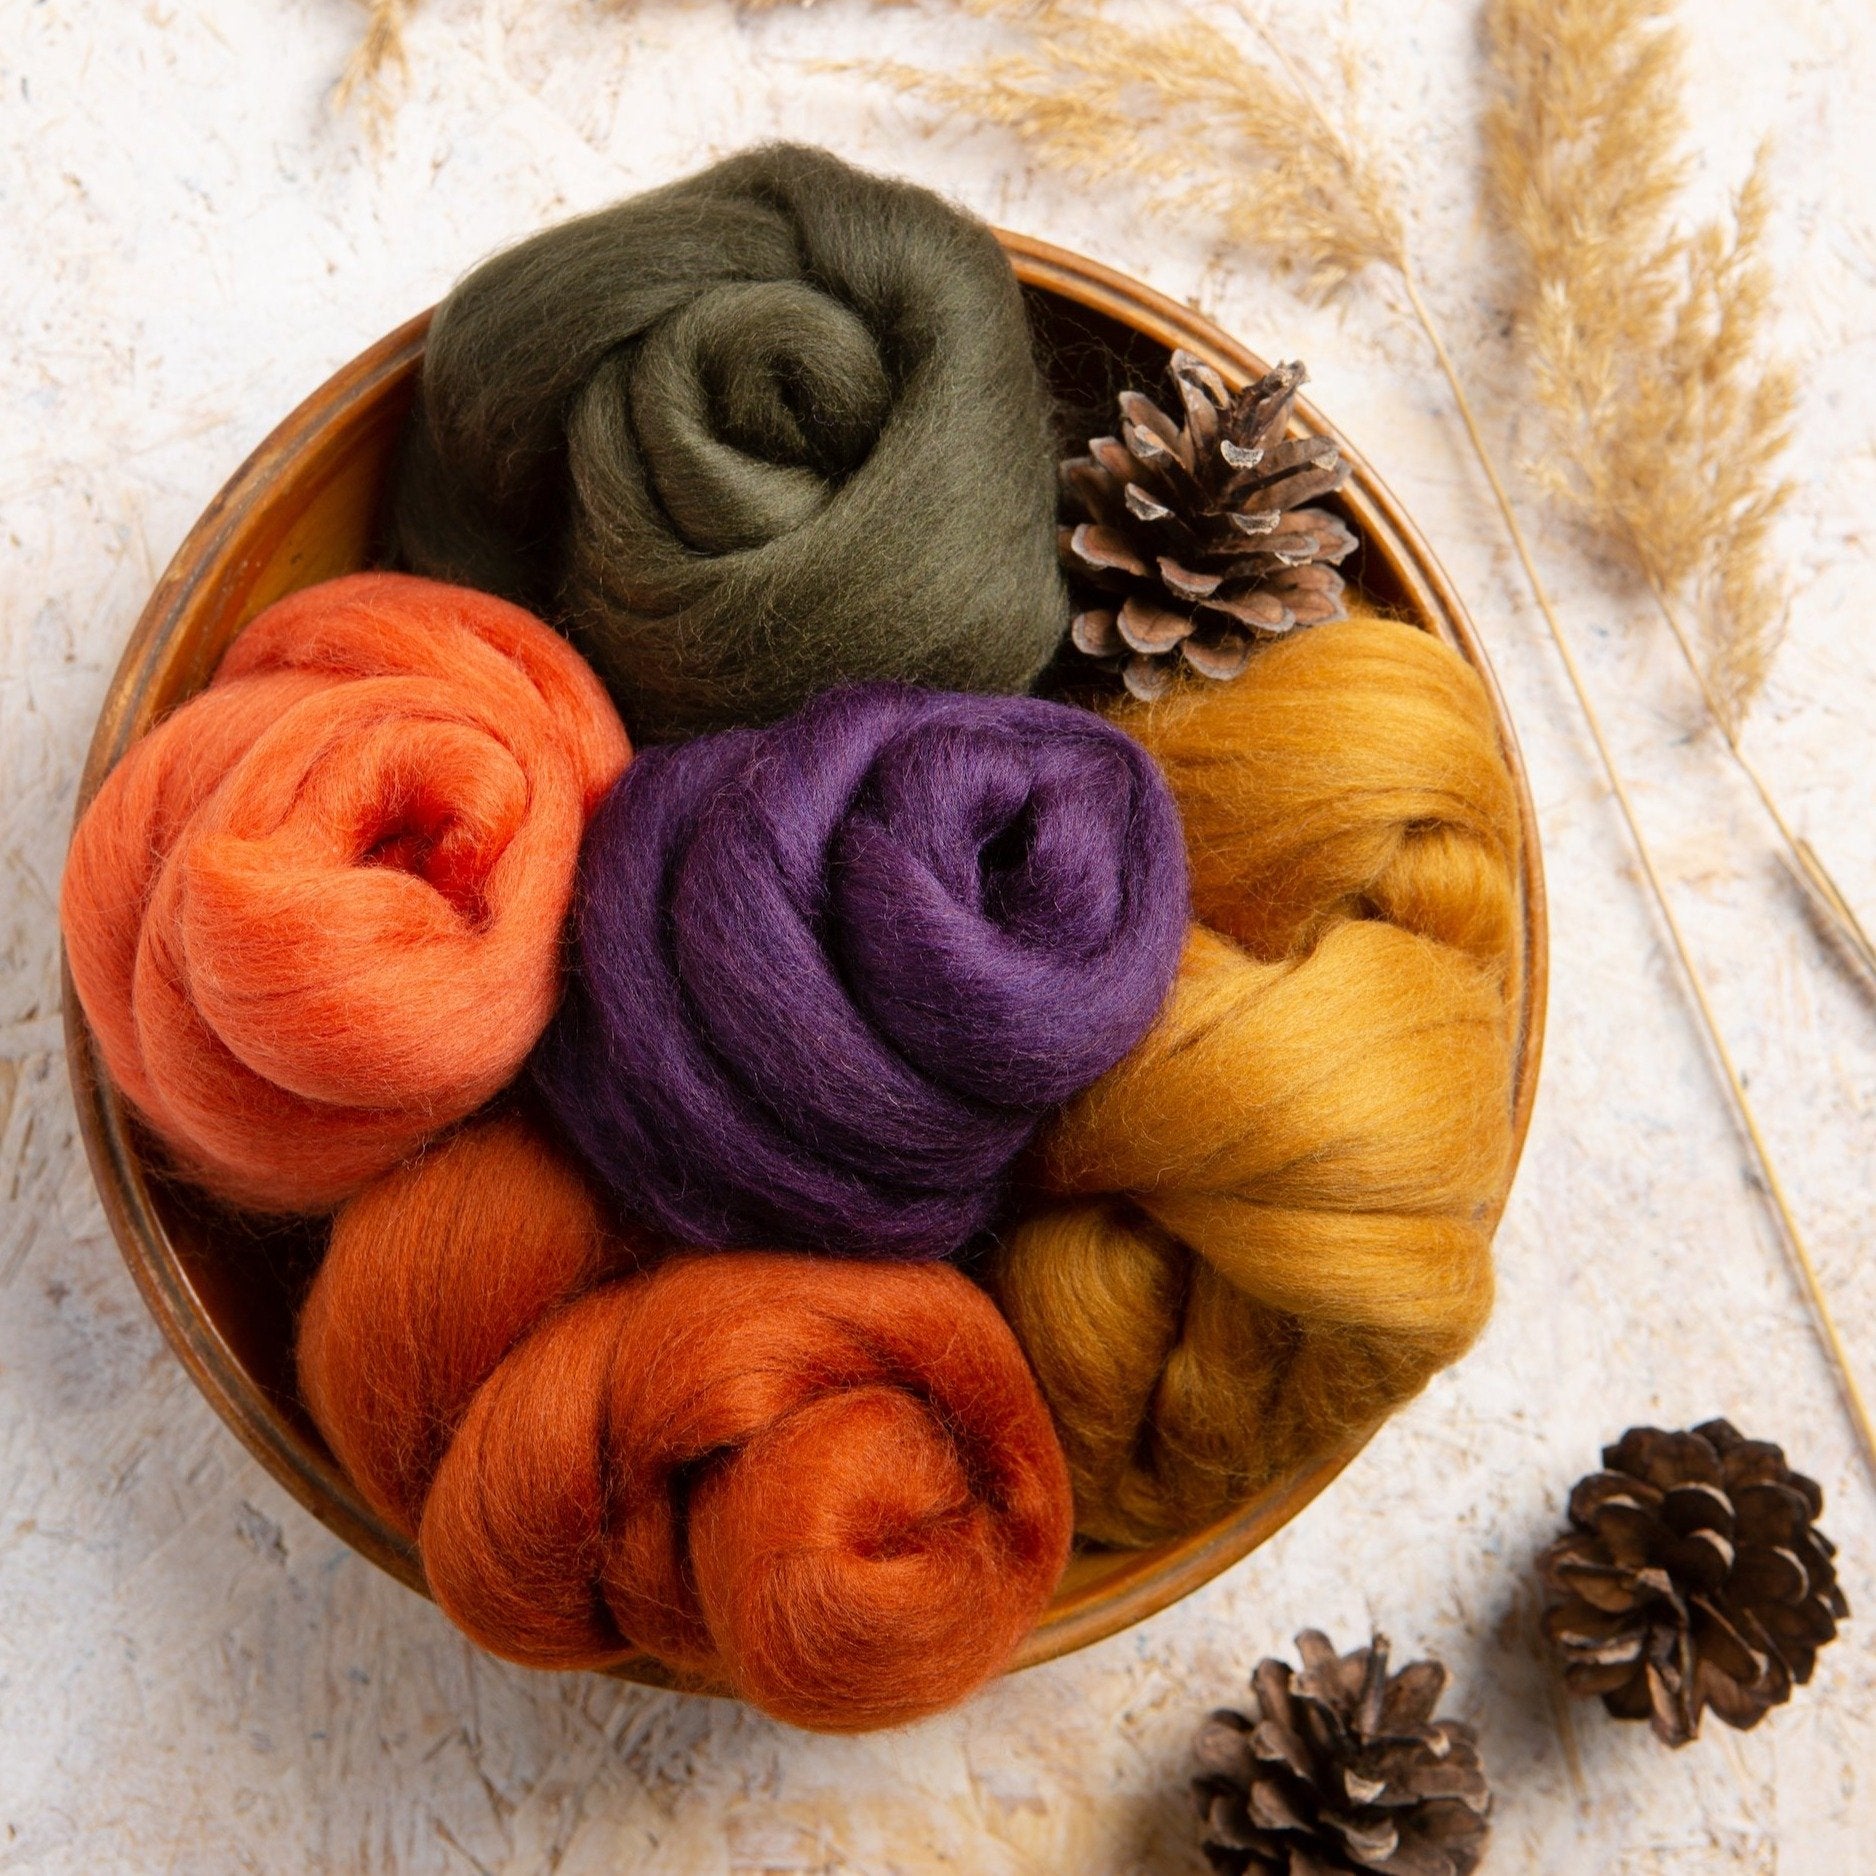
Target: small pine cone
1693, 1577
1186, 541
1342, 1769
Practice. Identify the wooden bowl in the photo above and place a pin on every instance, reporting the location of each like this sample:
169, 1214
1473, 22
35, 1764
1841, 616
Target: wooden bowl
303, 508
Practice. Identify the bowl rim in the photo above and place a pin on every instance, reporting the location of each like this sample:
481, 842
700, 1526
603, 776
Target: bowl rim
1151, 1579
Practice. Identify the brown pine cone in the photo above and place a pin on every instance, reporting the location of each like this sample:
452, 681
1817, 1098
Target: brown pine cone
1186, 541
1342, 1769
1694, 1577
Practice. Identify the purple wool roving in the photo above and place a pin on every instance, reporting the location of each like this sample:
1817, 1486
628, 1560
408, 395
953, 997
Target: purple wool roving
832, 972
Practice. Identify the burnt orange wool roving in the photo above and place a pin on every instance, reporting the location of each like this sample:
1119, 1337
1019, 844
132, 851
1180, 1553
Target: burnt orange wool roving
315, 914
828, 1486
1271, 1222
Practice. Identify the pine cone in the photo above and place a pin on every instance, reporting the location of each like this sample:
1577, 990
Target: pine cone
1693, 1578
1187, 541
1341, 1768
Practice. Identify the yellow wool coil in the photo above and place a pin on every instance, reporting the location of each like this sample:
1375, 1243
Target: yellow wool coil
1272, 1221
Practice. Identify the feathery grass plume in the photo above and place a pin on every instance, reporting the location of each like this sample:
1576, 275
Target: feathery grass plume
1646, 347
1184, 110
1646, 343
1178, 108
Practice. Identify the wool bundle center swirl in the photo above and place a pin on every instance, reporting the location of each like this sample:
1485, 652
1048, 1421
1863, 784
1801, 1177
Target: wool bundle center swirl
315, 914
770, 428
833, 971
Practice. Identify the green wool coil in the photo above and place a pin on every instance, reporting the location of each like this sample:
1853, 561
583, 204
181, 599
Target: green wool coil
770, 428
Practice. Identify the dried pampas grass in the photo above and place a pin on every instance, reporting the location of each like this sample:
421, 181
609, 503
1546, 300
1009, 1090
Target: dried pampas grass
1647, 345
1178, 109
1648, 350
1272, 148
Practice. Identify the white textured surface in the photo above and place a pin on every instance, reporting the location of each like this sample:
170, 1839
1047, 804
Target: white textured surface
195, 1676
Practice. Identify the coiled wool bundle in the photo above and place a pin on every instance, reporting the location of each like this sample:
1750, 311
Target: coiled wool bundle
769, 429
316, 913
1272, 1220
832, 971
832, 1486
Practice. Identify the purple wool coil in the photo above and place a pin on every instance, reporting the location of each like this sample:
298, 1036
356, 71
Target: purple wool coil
833, 971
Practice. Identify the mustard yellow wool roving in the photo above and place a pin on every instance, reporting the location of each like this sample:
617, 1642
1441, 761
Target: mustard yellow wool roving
1272, 1221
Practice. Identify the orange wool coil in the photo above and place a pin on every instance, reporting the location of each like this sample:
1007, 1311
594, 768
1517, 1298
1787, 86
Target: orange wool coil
315, 914
830, 1487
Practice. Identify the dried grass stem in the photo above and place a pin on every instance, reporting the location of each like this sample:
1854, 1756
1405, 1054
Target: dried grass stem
1774, 1187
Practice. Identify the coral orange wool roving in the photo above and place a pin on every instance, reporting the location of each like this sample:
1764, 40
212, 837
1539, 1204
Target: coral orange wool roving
830, 1486
1272, 1221
316, 913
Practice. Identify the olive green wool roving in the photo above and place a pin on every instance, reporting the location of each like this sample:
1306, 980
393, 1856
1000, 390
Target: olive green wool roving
764, 430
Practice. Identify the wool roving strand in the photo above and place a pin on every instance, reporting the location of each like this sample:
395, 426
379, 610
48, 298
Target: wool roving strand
315, 914
832, 971
1272, 1221
432, 1274
765, 430
831, 1487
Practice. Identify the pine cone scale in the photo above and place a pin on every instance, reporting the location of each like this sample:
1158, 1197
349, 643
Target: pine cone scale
1738, 1703
1097, 635
1141, 503
1279, 1745
1370, 1845
1228, 1824
1186, 582
1772, 1514
1150, 628
1217, 655
1263, 613
1412, 1784
1102, 551
1774, 1576
1254, 526
1412, 1696
1271, 1810
1609, 1587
